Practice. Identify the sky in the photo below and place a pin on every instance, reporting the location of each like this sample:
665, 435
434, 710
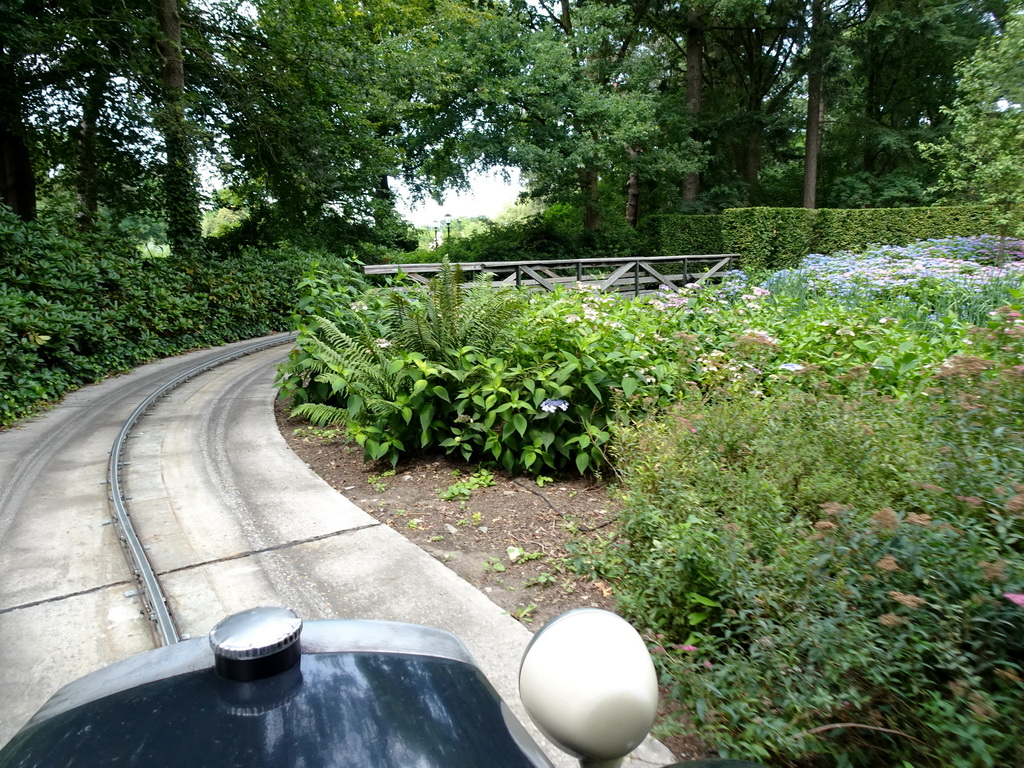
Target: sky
489, 195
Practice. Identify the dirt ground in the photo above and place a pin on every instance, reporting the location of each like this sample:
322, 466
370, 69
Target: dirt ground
508, 539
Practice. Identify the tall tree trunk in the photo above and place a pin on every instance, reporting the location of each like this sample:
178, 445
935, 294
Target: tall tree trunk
815, 106
632, 190
566, 17
88, 169
694, 86
17, 179
18, 182
812, 147
181, 195
750, 159
386, 199
589, 179
871, 108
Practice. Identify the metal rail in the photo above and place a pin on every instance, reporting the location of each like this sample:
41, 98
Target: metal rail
149, 586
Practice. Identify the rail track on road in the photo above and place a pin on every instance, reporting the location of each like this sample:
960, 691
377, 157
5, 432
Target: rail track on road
154, 601
218, 515
69, 600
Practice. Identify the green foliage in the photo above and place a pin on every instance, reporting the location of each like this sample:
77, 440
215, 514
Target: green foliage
221, 221
892, 625
754, 465
555, 234
671, 235
775, 238
326, 293
826, 573
550, 386
768, 238
487, 376
981, 156
429, 353
585, 99
463, 489
851, 229
74, 310
979, 404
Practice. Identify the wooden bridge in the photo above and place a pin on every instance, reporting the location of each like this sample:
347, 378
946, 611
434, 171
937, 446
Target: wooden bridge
627, 275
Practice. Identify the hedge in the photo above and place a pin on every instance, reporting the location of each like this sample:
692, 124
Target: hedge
74, 310
768, 238
774, 238
674, 235
852, 229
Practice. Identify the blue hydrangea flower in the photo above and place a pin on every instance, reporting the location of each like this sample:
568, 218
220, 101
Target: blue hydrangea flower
554, 405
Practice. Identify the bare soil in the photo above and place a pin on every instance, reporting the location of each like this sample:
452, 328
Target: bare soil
509, 539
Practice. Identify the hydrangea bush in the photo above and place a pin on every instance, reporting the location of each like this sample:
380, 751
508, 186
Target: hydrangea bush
965, 276
827, 553
822, 470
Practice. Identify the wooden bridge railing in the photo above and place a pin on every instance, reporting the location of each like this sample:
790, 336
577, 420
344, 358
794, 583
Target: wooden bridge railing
624, 274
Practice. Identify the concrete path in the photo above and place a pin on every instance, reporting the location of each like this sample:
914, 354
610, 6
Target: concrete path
233, 520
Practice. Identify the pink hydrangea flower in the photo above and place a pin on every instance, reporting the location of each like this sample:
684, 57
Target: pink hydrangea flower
1015, 597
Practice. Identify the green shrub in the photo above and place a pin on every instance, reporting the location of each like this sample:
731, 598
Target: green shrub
826, 576
405, 375
672, 235
540, 390
851, 229
874, 640
73, 310
557, 233
768, 238
775, 238
978, 402
759, 468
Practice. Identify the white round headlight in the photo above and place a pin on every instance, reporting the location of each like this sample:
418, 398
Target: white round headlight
589, 684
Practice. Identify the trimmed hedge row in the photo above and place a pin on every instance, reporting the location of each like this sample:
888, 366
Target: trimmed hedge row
768, 238
670, 235
847, 230
775, 238
73, 311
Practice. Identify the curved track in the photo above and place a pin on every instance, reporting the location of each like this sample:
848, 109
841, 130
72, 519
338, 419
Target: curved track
228, 517
226, 514
149, 586
69, 602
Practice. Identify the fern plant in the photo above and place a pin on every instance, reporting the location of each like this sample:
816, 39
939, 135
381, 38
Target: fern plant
394, 382
450, 314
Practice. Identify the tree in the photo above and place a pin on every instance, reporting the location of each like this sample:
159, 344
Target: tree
982, 157
76, 76
28, 29
180, 183
815, 99
680, 31
566, 92
113, 104
898, 72
732, 67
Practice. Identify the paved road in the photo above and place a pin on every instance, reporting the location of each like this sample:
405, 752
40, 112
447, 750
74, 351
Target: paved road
63, 578
232, 517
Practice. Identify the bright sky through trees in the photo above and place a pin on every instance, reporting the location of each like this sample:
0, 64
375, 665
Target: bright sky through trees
488, 196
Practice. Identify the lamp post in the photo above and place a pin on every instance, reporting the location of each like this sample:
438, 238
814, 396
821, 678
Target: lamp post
448, 222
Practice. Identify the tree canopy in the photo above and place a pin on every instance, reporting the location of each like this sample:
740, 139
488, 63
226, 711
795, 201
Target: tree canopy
307, 108
982, 155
